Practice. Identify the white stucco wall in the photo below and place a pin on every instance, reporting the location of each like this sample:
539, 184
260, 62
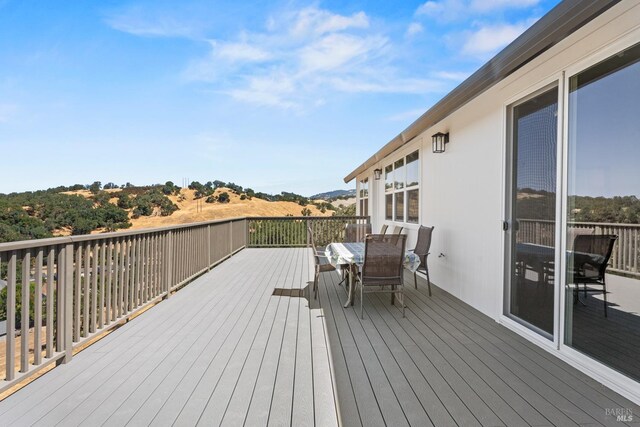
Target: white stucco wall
462, 190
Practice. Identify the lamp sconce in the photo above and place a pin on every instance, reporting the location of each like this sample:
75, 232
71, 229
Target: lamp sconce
377, 173
438, 141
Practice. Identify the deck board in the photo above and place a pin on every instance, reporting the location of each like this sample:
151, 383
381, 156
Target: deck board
225, 350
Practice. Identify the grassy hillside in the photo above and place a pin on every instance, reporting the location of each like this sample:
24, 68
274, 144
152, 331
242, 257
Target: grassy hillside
195, 210
84, 209
191, 209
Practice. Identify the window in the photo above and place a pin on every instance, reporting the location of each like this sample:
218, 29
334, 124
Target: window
401, 184
364, 197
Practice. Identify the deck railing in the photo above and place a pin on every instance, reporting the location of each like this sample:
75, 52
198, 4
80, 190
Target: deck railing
626, 252
292, 231
63, 292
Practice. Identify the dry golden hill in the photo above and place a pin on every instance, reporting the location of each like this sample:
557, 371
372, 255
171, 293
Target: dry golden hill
196, 210
192, 210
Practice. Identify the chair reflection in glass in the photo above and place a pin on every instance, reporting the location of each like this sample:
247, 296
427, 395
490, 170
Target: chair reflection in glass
591, 254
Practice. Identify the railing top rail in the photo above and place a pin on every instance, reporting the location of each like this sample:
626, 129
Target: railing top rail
600, 224
36, 243
312, 218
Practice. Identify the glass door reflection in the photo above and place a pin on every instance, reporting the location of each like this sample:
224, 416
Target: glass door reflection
602, 313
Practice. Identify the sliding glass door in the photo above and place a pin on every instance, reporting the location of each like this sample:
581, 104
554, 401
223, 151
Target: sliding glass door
531, 211
602, 310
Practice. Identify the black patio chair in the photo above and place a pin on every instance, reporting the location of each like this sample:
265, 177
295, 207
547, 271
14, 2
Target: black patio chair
591, 254
383, 267
422, 250
383, 230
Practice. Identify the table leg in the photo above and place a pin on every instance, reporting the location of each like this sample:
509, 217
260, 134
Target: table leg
351, 291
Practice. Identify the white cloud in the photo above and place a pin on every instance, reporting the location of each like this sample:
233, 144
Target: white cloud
459, 10
154, 23
447, 10
489, 39
490, 5
300, 56
334, 51
316, 21
276, 90
240, 51
413, 29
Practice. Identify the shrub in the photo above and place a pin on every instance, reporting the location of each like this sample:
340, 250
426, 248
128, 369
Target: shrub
224, 197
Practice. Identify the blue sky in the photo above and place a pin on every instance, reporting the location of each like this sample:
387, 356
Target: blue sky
277, 96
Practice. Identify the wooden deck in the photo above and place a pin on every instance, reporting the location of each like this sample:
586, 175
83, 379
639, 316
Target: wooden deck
225, 350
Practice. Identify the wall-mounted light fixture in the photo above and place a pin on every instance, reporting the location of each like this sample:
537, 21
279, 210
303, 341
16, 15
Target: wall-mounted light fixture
438, 141
377, 173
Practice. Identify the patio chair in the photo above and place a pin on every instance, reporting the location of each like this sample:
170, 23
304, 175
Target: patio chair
422, 250
397, 229
355, 233
322, 264
383, 267
591, 254
383, 230
548, 266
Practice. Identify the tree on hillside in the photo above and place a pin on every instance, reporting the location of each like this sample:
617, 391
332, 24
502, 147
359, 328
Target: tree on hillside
218, 184
345, 210
102, 198
124, 201
95, 187
170, 188
237, 189
109, 186
306, 212
200, 190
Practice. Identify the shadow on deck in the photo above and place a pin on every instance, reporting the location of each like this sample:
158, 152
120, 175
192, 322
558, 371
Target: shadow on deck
229, 350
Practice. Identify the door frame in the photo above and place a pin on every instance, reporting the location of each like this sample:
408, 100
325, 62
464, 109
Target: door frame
529, 329
604, 374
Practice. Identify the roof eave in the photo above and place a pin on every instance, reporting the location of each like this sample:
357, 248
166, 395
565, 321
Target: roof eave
561, 21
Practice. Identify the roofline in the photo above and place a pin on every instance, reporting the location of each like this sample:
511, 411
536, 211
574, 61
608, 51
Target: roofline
556, 25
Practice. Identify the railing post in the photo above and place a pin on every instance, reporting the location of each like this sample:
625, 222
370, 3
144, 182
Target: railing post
168, 257
230, 237
208, 247
67, 298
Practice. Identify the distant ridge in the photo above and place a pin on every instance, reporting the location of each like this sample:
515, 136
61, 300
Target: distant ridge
333, 194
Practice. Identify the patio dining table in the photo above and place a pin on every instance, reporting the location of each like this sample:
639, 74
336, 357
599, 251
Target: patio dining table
351, 256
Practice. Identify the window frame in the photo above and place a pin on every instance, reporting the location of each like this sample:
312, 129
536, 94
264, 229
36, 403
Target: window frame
392, 189
363, 195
